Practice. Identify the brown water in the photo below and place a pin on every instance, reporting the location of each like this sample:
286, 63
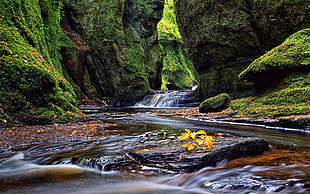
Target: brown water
48, 168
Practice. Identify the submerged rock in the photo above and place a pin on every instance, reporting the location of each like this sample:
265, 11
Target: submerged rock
176, 159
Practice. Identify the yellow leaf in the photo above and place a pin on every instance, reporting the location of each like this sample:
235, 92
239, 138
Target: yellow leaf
184, 136
192, 146
185, 145
199, 141
202, 132
193, 135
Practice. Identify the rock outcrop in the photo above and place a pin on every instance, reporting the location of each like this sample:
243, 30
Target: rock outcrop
223, 37
282, 78
106, 49
33, 88
123, 62
292, 57
171, 157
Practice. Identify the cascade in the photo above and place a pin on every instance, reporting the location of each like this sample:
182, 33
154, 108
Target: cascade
168, 99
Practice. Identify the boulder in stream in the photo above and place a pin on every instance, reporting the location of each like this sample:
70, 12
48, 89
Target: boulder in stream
175, 159
169, 156
215, 104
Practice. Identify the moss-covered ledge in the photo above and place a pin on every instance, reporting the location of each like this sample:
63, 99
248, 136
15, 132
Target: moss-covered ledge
282, 76
291, 57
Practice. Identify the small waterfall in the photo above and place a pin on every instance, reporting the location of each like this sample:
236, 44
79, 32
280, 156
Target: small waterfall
168, 99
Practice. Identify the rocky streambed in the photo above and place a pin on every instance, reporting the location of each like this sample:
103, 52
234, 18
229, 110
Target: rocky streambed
171, 157
141, 152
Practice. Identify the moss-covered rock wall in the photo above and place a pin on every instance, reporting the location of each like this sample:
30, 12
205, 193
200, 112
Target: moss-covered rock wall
124, 60
178, 70
32, 84
285, 88
290, 58
223, 37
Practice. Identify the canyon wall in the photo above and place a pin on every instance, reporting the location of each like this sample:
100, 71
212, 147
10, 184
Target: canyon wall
224, 37
123, 61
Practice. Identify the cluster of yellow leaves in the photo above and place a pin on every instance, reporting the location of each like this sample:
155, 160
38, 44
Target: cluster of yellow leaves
202, 142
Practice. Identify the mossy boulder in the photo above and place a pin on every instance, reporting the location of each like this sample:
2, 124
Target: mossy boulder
224, 37
215, 104
32, 85
291, 57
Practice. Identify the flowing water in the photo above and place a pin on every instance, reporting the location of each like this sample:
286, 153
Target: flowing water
83, 167
168, 99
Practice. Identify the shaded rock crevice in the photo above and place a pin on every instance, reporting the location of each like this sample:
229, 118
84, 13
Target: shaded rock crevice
75, 53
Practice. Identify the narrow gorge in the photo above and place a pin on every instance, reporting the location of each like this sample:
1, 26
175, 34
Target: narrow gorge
114, 53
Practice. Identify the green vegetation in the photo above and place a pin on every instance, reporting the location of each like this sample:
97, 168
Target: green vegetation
293, 100
134, 74
32, 86
168, 27
293, 53
178, 71
292, 97
216, 103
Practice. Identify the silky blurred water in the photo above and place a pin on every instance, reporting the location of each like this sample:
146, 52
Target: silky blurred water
50, 168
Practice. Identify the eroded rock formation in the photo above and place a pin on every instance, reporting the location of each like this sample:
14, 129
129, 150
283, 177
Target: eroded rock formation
223, 37
123, 59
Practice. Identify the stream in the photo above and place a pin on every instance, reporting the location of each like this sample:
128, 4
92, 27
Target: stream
82, 166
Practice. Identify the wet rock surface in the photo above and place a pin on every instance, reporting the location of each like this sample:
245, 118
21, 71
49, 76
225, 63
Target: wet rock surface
215, 104
176, 159
171, 157
299, 122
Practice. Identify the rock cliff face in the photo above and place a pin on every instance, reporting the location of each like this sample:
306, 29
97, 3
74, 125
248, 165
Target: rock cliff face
223, 37
178, 71
123, 60
33, 88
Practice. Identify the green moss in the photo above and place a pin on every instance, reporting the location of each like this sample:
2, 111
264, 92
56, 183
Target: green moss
124, 56
68, 48
292, 96
293, 53
178, 71
31, 76
167, 27
217, 101
293, 100
134, 77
